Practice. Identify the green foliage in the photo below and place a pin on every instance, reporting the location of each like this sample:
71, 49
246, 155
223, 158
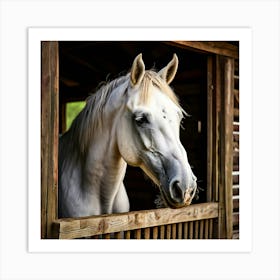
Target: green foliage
72, 110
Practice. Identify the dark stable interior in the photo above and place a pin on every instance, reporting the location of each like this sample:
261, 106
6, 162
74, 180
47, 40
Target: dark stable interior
84, 65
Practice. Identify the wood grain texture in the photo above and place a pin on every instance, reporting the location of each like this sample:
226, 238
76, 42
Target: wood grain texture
214, 47
75, 228
49, 137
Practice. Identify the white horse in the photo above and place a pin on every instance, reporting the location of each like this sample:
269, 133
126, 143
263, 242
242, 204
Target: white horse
134, 119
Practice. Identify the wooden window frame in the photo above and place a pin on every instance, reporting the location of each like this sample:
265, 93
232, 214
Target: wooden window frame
220, 72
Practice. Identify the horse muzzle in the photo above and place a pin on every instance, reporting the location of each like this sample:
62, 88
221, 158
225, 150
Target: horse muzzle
177, 195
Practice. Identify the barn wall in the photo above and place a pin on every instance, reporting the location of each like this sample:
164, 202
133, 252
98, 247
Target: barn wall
235, 171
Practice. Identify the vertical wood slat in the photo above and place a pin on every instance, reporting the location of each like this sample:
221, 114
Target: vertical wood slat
173, 231
196, 229
211, 229
49, 136
206, 230
168, 231
147, 233
180, 231
216, 127
201, 229
191, 230
155, 232
137, 233
162, 232
107, 236
186, 231
210, 88
127, 234
226, 74
228, 155
220, 131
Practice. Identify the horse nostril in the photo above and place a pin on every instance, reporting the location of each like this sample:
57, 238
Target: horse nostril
191, 191
176, 191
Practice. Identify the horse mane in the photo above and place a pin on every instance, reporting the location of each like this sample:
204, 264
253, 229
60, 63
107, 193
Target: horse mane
90, 119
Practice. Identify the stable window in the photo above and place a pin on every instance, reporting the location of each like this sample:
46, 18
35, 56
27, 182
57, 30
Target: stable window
72, 70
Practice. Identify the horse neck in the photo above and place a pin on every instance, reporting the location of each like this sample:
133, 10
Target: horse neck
103, 166
93, 172
103, 161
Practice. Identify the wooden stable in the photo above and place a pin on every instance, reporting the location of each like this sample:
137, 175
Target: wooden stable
208, 83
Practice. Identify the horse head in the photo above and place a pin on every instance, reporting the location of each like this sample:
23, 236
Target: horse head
148, 132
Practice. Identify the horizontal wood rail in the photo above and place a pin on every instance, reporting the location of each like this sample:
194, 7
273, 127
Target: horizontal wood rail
216, 47
69, 228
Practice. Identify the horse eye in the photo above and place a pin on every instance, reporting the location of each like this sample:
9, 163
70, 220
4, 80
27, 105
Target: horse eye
141, 119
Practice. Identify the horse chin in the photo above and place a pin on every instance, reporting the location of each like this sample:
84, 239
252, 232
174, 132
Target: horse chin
172, 204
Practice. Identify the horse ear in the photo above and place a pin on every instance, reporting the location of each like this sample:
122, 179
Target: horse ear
137, 70
168, 72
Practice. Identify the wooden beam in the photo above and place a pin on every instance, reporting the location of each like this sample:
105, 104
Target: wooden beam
69, 228
214, 47
49, 136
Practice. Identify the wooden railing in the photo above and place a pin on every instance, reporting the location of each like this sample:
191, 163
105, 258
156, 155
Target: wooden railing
194, 221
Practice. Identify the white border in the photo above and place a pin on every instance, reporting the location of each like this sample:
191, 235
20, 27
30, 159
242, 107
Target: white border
262, 16
36, 35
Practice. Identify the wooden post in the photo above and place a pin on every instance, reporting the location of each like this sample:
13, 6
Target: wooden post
210, 88
228, 134
49, 136
213, 133
226, 73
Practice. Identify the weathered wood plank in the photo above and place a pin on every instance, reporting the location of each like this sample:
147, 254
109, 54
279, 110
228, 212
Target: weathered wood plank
191, 230
155, 232
226, 154
168, 231
214, 47
210, 89
94, 225
196, 229
201, 229
206, 230
162, 232
147, 233
174, 231
216, 127
127, 234
107, 236
186, 231
180, 231
137, 233
211, 229
229, 113
49, 136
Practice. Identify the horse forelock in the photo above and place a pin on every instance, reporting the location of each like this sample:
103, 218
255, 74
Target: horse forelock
151, 79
